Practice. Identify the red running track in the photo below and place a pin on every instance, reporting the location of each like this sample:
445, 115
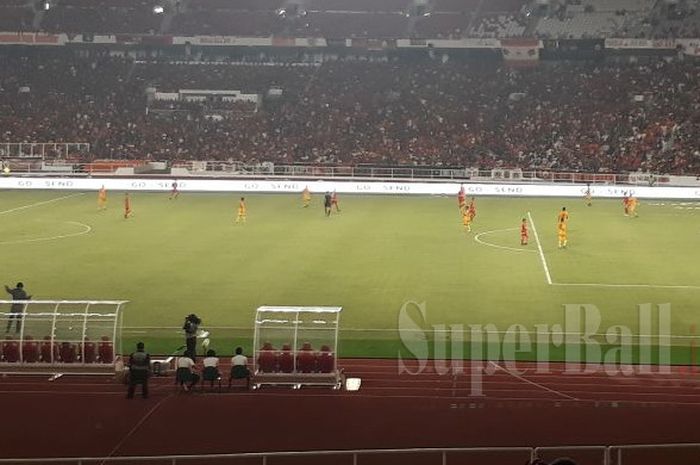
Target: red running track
89, 416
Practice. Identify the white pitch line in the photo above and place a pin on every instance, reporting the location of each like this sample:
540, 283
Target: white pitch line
542, 386
513, 249
86, 229
24, 207
539, 247
650, 286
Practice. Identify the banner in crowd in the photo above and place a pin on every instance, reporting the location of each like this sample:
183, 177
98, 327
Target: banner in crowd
345, 187
641, 44
521, 50
690, 46
22, 38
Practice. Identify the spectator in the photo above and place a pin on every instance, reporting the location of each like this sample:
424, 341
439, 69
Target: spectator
17, 309
139, 371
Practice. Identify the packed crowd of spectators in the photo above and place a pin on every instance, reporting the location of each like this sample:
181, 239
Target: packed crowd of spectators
378, 19
581, 117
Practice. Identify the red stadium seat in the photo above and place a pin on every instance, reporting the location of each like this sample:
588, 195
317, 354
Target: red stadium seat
105, 350
306, 359
326, 360
286, 359
46, 351
10, 350
30, 350
90, 353
267, 359
67, 352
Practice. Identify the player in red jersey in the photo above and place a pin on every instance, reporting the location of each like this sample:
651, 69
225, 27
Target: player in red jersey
174, 193
524, 235
461, 198
334, 201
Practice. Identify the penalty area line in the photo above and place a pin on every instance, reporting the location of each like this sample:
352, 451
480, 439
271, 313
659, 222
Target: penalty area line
539, 248
57, 199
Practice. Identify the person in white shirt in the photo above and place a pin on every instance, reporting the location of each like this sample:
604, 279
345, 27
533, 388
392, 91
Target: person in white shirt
211, 360
186, 373
239, 367
211, 367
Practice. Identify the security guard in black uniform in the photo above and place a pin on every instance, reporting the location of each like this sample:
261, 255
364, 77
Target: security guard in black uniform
139, 371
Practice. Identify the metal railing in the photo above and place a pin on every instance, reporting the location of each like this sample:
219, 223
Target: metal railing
233, 169
600, 454
43, 149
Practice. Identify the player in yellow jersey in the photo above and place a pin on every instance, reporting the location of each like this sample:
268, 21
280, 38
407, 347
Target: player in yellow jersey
467, 220
632, 203
563, 234
102, 198
242, 211
306, 197
563, 215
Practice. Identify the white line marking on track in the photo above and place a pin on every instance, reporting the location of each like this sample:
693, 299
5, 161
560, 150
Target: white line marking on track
539, 247
517, 376
137, 426
24, 207
513, 249
86, 230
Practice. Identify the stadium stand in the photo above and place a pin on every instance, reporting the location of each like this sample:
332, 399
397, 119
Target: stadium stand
224, 22
384, 6
106, 16
15, 16
406, 112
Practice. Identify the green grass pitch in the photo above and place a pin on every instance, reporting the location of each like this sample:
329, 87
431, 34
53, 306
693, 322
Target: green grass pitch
187, 255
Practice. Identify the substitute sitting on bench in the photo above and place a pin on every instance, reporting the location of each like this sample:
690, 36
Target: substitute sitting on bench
239, 368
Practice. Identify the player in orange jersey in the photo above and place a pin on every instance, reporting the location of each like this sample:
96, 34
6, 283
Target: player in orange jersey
334, 201
524, 233
127, 205
461, 198
472, 209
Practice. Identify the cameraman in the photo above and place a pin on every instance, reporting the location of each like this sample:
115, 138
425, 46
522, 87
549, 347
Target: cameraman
191, 327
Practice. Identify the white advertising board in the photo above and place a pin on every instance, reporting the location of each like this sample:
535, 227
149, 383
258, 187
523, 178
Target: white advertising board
344, 187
